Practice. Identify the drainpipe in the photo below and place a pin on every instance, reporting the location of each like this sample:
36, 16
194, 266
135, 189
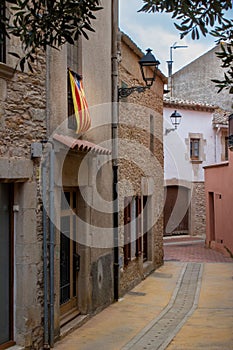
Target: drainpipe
46, 324
216, 141
48, 316
51, 243
115, 117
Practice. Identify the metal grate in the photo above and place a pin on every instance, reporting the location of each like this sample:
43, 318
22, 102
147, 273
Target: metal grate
139, 294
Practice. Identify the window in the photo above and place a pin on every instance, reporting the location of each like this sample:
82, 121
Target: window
132, 228
226, 147
145, 228
194, 149
72, 123
74, 63
152, 125
2, 36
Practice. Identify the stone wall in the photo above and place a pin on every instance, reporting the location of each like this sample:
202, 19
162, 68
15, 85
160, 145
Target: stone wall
198, 210
22, 111
22, 122
140, 161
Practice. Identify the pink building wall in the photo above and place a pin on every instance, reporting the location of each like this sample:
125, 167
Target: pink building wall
219, 205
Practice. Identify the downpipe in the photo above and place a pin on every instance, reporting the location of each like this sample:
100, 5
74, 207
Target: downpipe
45, 228
51, 243
115, 118
48, 282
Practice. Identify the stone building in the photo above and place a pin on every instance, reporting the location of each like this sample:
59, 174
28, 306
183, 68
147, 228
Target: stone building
140, 170
59, 261
195, 80
199, 140
55, 239
203, 128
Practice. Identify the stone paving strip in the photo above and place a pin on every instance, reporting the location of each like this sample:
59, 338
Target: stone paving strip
160, 332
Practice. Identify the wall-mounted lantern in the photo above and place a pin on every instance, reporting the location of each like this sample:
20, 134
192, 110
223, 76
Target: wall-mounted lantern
175, 120
149, 66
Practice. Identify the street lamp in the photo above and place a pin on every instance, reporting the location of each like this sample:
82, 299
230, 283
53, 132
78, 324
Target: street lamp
170, 62
175, 119
149, 66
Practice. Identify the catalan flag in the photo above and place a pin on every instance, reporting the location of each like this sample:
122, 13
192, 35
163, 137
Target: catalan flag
80, 103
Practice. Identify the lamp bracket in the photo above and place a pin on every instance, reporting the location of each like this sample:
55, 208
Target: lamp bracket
125, 92
169, 130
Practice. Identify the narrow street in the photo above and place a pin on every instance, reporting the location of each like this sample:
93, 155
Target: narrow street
186, 304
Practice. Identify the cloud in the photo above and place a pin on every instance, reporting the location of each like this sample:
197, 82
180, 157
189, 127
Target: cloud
157, 31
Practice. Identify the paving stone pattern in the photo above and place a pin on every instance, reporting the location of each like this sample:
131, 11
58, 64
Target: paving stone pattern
161, 331
191, 249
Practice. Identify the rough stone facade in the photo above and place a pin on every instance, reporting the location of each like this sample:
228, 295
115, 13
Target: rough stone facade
198, 210
140, 162
32, 107
23, 122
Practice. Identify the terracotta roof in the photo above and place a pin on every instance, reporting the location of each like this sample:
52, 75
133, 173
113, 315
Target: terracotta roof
81, 145
186, 104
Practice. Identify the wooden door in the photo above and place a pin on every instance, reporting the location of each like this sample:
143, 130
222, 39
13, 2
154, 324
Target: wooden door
176, 211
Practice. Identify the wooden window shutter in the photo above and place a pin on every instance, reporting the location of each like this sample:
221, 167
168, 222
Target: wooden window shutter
127, 230
138, 226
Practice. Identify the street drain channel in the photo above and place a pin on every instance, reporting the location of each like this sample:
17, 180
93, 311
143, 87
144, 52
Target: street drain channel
161, 275
159, 333
139, 294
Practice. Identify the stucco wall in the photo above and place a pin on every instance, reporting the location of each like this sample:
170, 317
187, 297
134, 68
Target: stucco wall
177, 161
219, 194
179, 168
195, 80
91, 174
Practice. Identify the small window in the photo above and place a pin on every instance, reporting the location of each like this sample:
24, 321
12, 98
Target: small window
132, 228
2, 36
152, 125
72, 123
194, 149
226, 147
145, 228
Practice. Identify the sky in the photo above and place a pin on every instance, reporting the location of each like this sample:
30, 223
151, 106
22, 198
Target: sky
157, 31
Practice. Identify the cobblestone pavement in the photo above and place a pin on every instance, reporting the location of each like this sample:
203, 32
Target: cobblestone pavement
182, 304
192, 249
186, 304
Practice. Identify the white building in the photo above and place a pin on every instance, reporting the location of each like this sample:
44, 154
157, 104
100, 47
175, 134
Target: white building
199, 140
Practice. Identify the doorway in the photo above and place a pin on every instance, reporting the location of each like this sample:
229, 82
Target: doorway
69, 257
6, 265
176, 211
